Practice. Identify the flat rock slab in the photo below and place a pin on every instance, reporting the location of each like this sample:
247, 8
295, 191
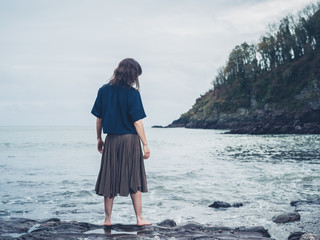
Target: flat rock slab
18, 228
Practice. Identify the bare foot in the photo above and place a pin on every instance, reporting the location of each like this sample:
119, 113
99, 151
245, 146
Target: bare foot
142, 222
106, 223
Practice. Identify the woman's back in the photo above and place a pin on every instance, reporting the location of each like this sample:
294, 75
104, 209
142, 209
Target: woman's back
118, 107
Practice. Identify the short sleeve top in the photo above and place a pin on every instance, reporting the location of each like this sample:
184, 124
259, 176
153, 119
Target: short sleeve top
118, 107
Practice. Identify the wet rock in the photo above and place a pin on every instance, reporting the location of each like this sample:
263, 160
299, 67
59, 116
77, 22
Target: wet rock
295, 203
16, 225
56, 229
260, 229
50, 222
53, 220
158, 126
237, 204
220, 204
303, 202
191, 226
309, 236
286, 217
295, 235
167, 223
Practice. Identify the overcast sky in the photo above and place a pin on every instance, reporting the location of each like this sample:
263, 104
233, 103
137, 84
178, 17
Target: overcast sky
55, 54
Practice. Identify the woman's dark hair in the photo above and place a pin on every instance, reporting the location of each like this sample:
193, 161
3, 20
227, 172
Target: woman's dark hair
127, 73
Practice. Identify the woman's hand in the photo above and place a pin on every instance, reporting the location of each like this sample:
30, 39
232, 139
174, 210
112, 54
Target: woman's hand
100, 145
146, 152
140, 130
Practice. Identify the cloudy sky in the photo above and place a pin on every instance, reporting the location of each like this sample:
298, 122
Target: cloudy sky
55, 54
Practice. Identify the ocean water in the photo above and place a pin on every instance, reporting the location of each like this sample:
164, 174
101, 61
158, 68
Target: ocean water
51, 172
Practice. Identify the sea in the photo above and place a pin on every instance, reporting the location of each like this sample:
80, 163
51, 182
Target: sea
51, 172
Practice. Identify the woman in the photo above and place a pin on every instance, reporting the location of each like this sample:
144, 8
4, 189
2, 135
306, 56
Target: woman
119, 111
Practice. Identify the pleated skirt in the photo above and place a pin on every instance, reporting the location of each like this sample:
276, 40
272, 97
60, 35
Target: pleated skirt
122, 167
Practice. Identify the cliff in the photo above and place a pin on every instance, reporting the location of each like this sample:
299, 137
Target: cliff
272, 87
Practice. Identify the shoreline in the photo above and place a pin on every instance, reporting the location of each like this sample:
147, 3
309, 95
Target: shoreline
54, 228
255, 121
256, 130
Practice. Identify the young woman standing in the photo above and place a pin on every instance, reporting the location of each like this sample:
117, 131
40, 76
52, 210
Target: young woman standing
119, 111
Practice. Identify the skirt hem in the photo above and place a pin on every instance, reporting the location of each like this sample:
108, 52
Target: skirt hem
120, 194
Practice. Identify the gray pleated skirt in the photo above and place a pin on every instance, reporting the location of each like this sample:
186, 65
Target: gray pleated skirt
122, 167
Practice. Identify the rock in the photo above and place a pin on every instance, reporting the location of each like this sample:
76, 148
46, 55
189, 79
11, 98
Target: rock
295, 203
53, 220
16, 225
82, 230
309, 236
286, 217
302, 202
256, 121
262, 230
295, 235
220, 204
167, 223
191, 225
237, 204
157, 126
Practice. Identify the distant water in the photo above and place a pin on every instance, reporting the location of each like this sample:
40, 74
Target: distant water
51, 172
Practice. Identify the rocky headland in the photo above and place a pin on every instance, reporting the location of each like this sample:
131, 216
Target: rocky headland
272, 87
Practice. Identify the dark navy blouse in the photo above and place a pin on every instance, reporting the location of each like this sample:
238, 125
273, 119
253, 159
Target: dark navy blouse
118, 107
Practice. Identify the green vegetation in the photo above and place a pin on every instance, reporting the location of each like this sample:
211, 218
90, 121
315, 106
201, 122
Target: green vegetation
273, 72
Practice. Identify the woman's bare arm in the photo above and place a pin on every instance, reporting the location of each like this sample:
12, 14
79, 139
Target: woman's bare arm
140, 130
100, 142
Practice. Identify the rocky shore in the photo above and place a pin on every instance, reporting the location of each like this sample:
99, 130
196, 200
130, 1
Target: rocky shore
21, 228
281, 122
300, 115
256, 121
54, 228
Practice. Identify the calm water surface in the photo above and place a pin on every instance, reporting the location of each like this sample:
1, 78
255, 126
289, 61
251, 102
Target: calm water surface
51, 172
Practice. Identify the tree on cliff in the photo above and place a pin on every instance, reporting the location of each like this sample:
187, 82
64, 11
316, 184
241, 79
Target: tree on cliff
249, 64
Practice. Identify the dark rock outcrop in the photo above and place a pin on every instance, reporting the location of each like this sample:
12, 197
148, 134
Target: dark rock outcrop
220, 204
17, 228
282, 122
286, 217
158, 126
238, 204
257, 121
295, 235
167, 223
309, 236
302, 236
298, 203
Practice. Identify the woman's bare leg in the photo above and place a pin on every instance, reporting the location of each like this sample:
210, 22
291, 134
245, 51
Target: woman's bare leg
108, 203
137, 205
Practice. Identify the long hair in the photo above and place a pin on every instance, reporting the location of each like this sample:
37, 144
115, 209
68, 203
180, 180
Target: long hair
127, 73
